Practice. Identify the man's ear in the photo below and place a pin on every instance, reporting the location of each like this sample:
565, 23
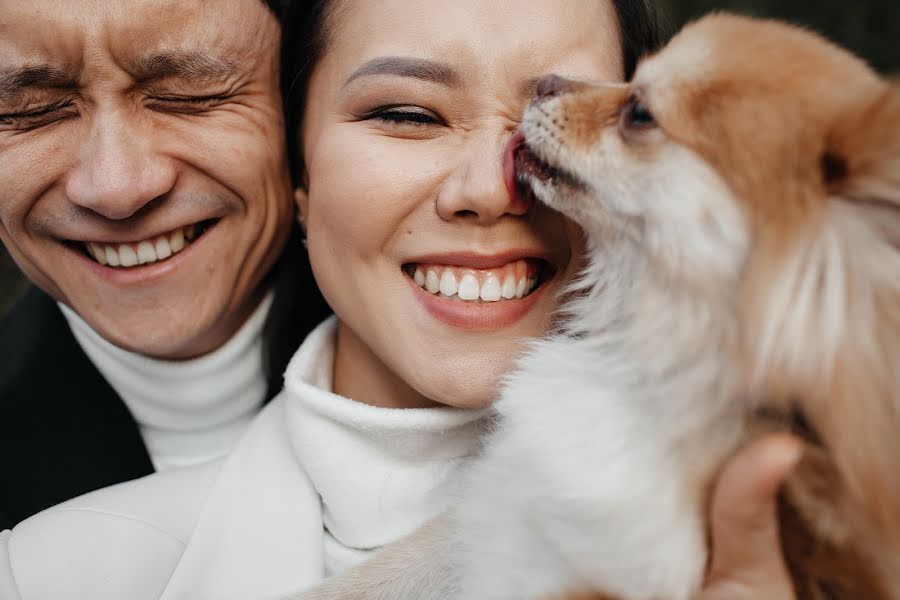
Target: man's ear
301, 199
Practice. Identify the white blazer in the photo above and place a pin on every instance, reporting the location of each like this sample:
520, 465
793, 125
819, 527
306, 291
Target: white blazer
316, 484
246, 527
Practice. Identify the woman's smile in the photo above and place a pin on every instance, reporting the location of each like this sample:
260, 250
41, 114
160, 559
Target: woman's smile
433, 266
513, 280
479, 292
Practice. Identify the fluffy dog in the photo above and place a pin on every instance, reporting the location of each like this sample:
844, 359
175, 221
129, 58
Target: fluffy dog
741, 201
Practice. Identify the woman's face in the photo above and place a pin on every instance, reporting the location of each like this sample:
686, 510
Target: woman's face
408, 114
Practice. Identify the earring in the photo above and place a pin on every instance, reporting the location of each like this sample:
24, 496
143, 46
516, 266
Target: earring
302, 223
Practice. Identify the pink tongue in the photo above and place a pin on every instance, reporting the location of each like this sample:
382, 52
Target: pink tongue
517, 202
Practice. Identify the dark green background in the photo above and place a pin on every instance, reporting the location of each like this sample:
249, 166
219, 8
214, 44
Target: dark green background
870, 28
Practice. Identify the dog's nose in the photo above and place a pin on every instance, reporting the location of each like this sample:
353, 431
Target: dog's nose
552, 85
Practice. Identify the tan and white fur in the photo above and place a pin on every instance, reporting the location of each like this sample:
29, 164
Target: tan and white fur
741, 202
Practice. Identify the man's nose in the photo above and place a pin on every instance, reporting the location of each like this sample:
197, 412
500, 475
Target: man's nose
477, 190
118, 170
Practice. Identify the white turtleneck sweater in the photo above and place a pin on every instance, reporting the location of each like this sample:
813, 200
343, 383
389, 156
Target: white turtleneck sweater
380, 472
192, 411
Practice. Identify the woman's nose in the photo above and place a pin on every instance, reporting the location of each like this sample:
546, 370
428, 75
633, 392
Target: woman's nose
118, 170
552, 85
477, 190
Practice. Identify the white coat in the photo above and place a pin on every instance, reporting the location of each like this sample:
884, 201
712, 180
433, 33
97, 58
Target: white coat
316, 484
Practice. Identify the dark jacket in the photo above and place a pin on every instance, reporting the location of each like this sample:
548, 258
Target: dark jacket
65, 432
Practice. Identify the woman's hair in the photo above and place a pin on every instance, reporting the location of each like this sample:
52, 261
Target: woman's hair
298, 306
305, 36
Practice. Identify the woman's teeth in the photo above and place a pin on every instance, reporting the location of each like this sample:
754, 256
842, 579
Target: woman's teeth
515, 280
143, 252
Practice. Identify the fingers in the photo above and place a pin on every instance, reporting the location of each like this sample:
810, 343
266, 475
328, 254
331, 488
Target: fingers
745, 539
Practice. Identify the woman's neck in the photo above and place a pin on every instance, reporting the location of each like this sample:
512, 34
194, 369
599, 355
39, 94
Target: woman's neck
362, 376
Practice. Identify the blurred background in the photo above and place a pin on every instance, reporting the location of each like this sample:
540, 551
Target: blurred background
871, 28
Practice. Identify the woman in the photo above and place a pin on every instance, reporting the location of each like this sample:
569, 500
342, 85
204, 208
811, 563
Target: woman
435, 276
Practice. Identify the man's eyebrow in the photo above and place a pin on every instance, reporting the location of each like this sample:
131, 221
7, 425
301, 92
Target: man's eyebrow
14, 80
194, 65
418, 68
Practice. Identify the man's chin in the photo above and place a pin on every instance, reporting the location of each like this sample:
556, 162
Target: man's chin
159, 333
163, 344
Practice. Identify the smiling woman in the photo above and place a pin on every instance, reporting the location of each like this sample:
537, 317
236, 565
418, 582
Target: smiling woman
428, 225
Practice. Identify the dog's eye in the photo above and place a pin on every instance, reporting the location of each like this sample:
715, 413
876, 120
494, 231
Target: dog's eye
637, 116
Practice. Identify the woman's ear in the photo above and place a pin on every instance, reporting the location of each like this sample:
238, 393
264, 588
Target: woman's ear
301, 199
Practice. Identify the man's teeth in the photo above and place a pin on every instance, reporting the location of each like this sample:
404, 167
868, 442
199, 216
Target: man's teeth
143, 252
515, 280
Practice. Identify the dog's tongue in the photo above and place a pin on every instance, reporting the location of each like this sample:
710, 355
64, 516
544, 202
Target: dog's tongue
517, 200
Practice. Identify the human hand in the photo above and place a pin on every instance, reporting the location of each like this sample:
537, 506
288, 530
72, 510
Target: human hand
746, 561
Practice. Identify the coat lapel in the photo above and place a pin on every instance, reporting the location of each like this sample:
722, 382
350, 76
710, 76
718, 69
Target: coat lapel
259, 534
63, 430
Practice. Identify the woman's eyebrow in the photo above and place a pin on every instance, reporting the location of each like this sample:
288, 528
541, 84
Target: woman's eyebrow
418, 68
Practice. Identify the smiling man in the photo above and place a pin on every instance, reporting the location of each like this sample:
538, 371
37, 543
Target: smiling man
144, 190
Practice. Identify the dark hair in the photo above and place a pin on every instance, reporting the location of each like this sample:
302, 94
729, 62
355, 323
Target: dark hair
305, 36
298, 306
303, 40
639, 30
278, 7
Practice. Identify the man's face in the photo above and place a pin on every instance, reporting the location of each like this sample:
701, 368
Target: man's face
143, 179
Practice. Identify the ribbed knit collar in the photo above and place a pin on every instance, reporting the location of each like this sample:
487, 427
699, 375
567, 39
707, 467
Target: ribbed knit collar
380, 472
189, 411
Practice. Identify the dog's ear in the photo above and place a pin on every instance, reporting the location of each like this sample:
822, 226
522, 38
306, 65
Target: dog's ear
825, 334
856, 407
861, 162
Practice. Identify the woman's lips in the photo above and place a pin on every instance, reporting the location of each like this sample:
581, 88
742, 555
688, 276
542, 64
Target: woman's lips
513, 280
479, 299
480, 316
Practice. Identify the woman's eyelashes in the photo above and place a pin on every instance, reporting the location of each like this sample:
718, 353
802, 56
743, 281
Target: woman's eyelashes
404, 116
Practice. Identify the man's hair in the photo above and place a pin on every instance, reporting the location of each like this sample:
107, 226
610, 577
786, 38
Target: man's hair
305, 36
278, 7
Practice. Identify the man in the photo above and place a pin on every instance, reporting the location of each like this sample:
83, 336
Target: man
144, 191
